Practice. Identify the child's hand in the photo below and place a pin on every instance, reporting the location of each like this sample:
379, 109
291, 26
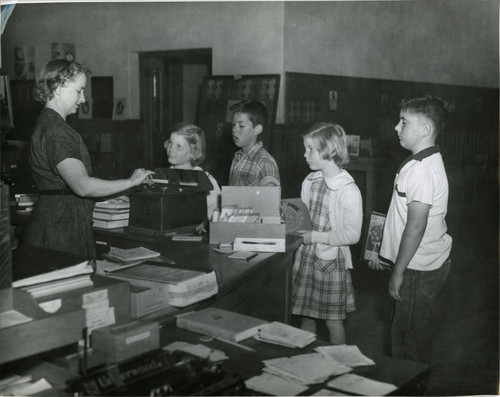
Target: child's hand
376, 264
306, 235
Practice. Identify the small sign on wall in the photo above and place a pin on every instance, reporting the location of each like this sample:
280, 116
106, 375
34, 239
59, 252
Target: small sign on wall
119, 109
85, 109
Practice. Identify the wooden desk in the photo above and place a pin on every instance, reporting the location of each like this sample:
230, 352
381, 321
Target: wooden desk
409, 377
244, 287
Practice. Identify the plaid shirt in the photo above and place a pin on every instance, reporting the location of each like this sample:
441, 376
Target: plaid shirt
255, 168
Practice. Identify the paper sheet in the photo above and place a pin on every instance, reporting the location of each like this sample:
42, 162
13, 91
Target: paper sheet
274, 385
356, 384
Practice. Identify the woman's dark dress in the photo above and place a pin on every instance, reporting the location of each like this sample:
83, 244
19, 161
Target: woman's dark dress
61, 222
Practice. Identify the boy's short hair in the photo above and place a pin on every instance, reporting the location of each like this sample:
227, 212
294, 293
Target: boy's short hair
331, 142
433, 108
256, 111
195, 137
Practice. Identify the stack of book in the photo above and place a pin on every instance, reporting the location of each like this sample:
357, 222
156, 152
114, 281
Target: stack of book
112, 214
284, 334
26, 202
179, 286
66, 279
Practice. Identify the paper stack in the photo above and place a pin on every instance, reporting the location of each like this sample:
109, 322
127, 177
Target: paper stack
181, 286
284, 334
66, 279
111, 214
349, 355
307, 369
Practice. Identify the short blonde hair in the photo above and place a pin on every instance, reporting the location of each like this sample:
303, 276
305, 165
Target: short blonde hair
330, 140
195, 137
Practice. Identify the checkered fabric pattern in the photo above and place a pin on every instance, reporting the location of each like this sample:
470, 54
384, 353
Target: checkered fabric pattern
321, 288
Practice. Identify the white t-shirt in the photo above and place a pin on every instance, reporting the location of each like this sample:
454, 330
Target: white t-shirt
421, 178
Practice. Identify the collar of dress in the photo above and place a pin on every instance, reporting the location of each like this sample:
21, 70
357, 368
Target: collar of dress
335, 182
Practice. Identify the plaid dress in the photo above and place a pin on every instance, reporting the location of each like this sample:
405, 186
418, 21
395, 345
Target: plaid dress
321, 289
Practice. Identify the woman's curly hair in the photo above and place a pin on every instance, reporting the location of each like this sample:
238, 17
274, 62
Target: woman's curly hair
53, 75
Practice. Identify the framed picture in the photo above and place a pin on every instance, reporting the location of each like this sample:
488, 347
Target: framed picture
353, 145
373, 237
219, 94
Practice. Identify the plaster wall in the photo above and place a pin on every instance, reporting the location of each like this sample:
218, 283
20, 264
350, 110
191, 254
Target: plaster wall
246, 37
445, 41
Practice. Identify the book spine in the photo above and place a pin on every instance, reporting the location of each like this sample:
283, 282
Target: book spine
182, 301
194, 284
205, 329
110, 224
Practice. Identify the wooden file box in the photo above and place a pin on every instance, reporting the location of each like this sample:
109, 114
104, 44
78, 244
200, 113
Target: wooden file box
116, 291
44, 332
263, 200
121, 342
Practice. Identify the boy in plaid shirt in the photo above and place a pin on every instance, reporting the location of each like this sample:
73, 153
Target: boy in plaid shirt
252, 165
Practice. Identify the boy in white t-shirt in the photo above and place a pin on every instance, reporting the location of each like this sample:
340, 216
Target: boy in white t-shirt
415, 242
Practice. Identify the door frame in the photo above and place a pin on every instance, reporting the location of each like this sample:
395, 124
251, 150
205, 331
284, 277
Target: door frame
161, 70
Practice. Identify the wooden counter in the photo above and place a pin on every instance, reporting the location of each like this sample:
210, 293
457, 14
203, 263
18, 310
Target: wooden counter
259, 288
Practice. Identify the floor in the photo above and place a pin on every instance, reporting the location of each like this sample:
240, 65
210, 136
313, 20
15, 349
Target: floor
466, 349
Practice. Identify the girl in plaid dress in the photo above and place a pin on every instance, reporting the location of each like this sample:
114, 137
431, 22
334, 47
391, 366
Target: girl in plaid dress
322, 288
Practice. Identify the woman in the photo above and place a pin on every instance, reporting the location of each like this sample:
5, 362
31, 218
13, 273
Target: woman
60, 165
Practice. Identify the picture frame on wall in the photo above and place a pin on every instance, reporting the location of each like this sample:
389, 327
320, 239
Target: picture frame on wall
373, 237
219, 94
353, 142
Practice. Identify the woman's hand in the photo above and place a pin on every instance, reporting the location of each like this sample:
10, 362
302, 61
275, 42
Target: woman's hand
306, 235
139, 175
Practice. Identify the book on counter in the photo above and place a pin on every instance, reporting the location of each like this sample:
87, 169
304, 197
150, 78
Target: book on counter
182, 286
284, 334
132, 254
66, 279
111, 216
58, 286
103, 224
221, 323
122, 202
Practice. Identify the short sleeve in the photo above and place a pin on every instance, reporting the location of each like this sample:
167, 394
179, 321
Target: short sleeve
420, 186
60, 146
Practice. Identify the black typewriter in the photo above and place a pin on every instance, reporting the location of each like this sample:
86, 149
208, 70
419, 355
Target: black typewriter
158, 373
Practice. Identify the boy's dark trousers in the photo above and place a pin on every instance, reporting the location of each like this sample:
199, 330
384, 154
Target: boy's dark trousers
412, 329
